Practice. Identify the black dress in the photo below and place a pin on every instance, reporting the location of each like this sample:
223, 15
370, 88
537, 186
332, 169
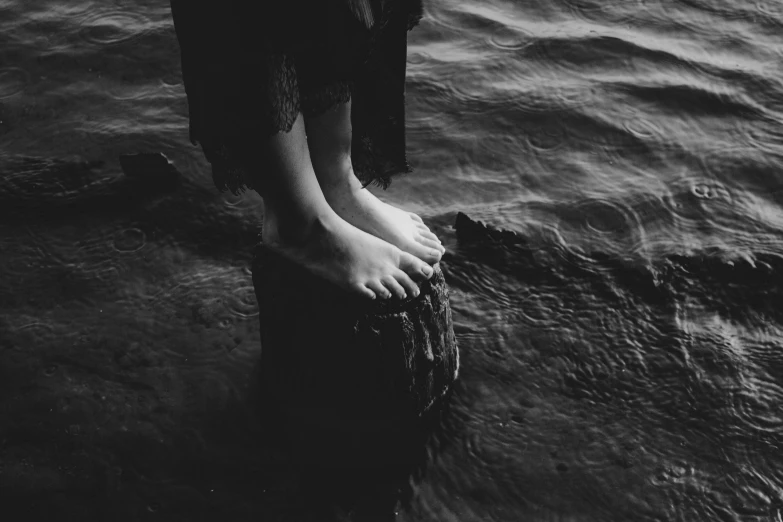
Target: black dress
251, 66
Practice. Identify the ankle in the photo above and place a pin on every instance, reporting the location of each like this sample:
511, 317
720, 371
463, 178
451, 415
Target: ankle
343, 189
294, 227
335, 173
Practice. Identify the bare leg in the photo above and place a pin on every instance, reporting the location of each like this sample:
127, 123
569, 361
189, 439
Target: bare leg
300, 224
329, 142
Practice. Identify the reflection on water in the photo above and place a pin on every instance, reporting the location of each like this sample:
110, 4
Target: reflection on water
619, 322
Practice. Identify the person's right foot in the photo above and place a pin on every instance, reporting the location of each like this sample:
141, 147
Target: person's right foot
359, 262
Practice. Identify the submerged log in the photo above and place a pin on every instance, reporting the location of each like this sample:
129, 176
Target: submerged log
352, 382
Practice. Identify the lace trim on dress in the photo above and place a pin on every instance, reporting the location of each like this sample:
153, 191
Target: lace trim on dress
230, 167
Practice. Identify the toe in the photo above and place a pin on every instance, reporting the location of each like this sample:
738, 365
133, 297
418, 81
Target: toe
422, 227
381, 291
429, 235
410, 286
394, 287
434, 256
415, 217
417, 269
422, 250
429, 243
364, 291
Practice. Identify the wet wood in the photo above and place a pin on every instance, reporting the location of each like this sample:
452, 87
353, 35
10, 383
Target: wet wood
353, 380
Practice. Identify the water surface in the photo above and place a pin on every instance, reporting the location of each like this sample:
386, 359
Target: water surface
621, 353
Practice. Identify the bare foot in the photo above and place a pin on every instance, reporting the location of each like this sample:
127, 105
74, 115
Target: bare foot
354, 260
364, 210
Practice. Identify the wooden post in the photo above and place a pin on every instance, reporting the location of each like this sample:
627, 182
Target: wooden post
352, 380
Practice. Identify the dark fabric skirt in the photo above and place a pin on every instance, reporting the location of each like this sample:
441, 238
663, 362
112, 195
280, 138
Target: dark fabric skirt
251, 66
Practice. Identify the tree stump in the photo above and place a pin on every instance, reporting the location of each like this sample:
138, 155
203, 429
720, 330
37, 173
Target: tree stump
352, 382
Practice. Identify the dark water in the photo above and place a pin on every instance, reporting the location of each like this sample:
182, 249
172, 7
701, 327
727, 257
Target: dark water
622, 352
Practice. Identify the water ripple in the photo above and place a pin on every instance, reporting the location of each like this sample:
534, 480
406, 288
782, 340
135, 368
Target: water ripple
242, 302
130, 91
589, 9
614, 11
692, 200
417, 58
756, 406
13, 80
771, 8
546, 139
565, 56
694, 100
509, 40
211, 293
114, 27
506, 84
642, 127
607, 225
620, 143
540, 308
743, 165
32, 334
600, 468
129, 240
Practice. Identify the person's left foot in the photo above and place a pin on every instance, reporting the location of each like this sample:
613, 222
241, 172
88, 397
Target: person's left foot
365, 211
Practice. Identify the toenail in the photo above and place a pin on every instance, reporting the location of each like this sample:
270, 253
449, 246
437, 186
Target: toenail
426, 270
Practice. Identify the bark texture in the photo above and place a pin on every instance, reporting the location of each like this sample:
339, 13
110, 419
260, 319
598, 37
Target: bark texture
353, 383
